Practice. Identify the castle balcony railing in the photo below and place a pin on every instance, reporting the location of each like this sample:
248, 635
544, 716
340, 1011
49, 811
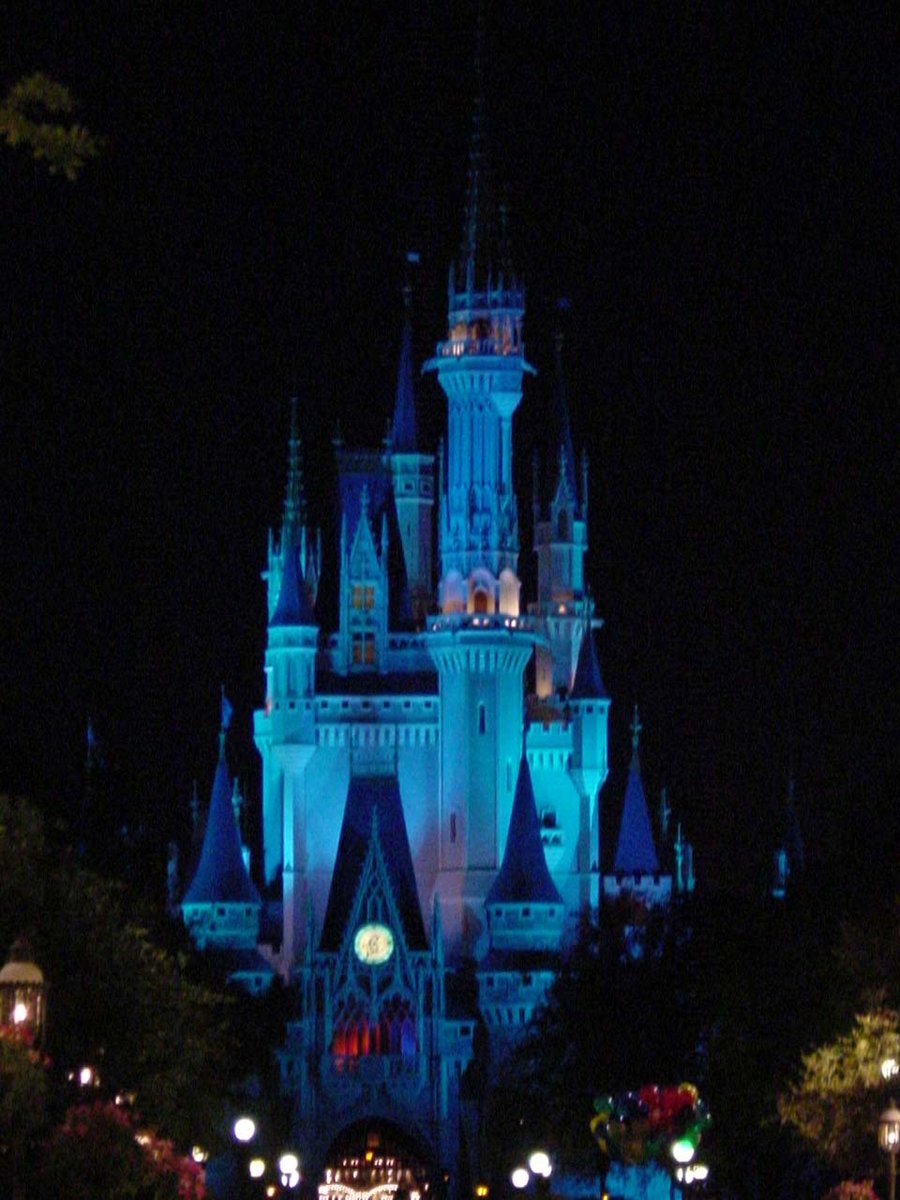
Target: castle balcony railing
459, 347
457, 622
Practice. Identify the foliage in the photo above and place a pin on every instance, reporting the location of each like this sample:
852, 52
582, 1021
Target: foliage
118, 1001
609, 1019
717, 998
851, 1189
23, 1090
35, 113
101, 1150
835, 1104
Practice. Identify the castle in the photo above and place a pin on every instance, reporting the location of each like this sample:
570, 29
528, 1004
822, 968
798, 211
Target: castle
432, 826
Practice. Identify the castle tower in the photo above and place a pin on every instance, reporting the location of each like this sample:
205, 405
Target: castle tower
412, 474
560, 543
479, 644
636, 870
221, 907
589, 702
525, 916
284, 729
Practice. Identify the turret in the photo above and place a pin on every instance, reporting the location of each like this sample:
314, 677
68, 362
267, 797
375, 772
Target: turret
412, 475
284, 728
636, 868
480, 643
294, 532
480, 366
524, 908
560, 543
221, 907
525, 918
588, 702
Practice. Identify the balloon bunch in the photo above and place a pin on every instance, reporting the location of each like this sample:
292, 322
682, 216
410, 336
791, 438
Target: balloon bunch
640, 1127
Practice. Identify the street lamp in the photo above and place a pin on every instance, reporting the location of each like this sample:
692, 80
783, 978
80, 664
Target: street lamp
23, 991
539, 1168
889, 1141
244, 1129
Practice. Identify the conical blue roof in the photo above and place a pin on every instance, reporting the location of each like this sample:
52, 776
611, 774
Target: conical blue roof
588, 683
221, 877
635, 850
371, 796
403, 427
293, 607
523, 877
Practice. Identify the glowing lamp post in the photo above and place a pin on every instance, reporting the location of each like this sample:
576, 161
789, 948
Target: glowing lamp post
23, 991
889, 1141
539, 1169
244, 1130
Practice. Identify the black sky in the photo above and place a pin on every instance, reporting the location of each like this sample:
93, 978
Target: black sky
713, 186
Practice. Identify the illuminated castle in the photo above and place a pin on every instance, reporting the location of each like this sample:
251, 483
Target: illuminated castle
421, 813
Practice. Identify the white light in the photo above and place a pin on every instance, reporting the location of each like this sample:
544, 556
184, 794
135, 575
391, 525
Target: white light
292, 1180
701, 1171
20, 1013
244, 1129
539, 1162
198, 1154
85, 1076
682, 1151
520, 1177
288, 1164
256, 1167
889, 1068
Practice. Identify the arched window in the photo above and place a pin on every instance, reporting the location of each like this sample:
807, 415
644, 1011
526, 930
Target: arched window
480, 600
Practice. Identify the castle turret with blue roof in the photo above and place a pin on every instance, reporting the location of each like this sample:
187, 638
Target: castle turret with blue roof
221, 907
636, 870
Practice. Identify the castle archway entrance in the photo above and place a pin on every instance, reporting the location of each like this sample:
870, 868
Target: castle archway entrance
380, 1160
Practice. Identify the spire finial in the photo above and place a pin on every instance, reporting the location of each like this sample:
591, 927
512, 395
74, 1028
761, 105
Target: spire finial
225, 720
195, 808
476, 154
294, 500
636, 728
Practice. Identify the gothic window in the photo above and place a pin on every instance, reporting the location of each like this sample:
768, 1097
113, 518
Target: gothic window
363, 649
453, 827
363, 596
482, 719
392, 1031
480, 600
563, 526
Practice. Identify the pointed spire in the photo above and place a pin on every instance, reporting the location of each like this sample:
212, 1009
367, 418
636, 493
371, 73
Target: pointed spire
635, 850
560, 414
403, 429
474, 212
294, 499
523, 876
221, 876
588, 683
635, 728
195, 810
237, 804
293, 607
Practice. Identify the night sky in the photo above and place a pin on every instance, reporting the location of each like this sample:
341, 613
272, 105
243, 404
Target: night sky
713, 187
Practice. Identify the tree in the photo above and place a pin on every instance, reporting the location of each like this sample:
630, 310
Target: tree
835, 1104
119, 1001
35, 113
102, 1150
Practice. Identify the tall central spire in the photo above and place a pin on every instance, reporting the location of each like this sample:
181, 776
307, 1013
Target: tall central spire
480, 367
